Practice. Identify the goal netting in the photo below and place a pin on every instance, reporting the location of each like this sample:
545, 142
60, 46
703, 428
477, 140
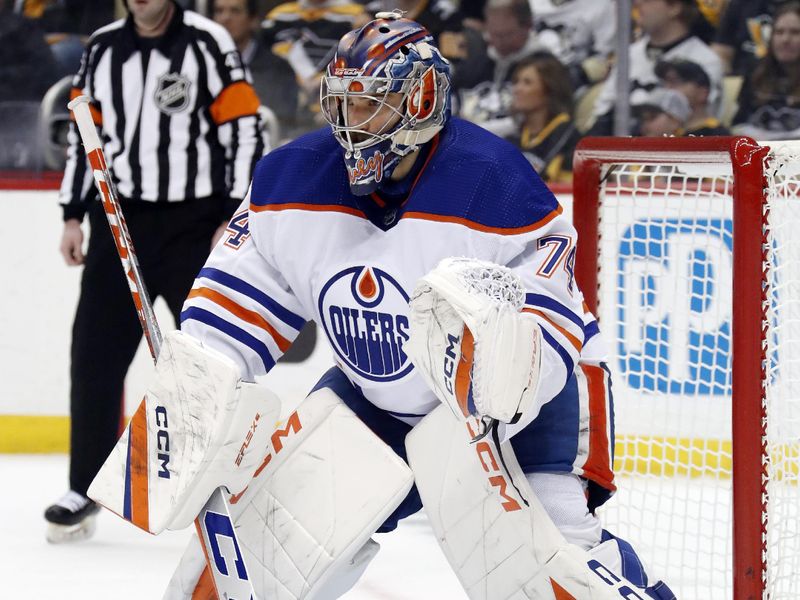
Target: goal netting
689, 255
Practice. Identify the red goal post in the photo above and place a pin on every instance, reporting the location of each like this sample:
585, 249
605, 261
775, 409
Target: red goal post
659, 221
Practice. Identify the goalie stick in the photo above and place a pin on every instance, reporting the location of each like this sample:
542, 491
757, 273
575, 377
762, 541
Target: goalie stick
229, 583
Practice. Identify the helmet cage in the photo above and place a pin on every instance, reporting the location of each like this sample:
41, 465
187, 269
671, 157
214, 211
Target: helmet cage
402, 85
419, 100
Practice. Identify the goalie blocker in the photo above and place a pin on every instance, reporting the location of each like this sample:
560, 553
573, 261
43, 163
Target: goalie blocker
198, 428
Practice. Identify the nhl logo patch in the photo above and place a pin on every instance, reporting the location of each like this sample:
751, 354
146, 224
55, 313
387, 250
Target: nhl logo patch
172, 93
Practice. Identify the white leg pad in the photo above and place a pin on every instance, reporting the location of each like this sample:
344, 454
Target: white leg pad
304, 523
321, 502
186, 577
348, 573
493, 530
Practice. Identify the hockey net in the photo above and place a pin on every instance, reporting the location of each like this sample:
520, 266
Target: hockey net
689, 255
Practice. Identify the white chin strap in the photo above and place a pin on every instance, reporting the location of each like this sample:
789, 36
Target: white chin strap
406, 137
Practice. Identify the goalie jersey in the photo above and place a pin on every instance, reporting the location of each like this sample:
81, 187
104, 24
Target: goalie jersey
302, 247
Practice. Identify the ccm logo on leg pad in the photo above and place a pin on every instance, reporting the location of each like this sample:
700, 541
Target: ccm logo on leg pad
162, 442
498, 477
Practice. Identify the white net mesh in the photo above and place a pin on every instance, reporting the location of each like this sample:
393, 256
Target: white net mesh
783, 373
665, 298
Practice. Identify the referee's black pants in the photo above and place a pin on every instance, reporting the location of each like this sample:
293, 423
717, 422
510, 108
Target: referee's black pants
172, 242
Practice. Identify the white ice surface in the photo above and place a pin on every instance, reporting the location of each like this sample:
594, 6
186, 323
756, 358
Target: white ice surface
123, 563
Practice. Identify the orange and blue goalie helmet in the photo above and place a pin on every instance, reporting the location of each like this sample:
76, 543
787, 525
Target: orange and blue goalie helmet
385, 93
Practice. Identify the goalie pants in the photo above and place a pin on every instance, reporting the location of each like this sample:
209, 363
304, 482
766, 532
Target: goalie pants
549, 444
172, 241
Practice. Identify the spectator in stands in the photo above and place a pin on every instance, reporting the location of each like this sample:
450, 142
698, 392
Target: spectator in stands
583, 30
305, 33
541, 103
692, 81
482, 80
666, 27
473, 12
67, 25
708, 19
273, 78
27, 66
662, 112
743, 34
769, 101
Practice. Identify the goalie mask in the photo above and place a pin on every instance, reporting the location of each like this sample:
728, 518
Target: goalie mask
385, 93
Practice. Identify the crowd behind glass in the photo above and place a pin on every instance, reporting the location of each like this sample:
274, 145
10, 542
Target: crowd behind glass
540, 73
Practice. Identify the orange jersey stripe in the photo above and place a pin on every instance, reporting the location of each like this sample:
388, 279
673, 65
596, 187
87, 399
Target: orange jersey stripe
598, 462
244, 314
409, 215
572, 339
464, 371
237, 100
97, 116
310, 207
480, 227
140, 509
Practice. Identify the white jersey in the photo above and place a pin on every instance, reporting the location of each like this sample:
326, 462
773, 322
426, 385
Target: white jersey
584, 27
642, 76
303, 248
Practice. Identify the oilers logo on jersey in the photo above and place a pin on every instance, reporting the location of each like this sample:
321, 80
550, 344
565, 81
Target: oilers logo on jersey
363, 312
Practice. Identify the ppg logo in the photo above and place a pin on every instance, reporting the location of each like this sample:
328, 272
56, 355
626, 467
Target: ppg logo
673, 300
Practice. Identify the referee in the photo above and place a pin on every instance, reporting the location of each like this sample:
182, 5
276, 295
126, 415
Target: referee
179, 124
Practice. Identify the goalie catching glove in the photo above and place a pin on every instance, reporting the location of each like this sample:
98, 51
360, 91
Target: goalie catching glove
479, 354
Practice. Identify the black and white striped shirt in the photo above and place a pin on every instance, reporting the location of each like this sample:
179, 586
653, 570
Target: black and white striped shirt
177, 116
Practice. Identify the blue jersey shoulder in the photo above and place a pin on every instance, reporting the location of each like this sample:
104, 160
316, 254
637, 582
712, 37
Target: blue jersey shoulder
307, 170
482, 178
471, 175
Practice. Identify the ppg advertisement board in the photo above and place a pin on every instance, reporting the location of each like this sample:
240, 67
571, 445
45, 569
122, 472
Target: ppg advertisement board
674, 305
665, 311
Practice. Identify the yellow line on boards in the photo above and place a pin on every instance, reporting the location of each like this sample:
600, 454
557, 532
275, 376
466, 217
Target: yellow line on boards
671, 456
656, 456
696, 457
21, 434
